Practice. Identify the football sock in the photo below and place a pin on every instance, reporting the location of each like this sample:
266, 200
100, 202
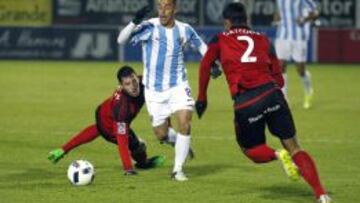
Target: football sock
171, 135
307, 82
261, 154
308, 171
85, 136
285, 88
182, 146
170, 139
139, 155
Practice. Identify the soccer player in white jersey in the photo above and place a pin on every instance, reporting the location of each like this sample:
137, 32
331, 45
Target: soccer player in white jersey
167, 90
294, 26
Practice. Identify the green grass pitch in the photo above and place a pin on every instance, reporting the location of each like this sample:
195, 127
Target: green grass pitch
42, 104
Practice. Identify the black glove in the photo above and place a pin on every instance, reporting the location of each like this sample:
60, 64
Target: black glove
200, 107
215, 70
140, 14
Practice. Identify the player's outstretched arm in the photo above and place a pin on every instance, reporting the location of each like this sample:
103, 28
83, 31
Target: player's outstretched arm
121, 130
207, 62
200, 45
125, 33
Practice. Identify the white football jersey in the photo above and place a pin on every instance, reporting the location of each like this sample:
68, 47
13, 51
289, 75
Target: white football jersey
162, 52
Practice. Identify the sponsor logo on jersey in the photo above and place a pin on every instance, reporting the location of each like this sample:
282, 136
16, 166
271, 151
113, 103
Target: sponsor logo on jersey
121, 128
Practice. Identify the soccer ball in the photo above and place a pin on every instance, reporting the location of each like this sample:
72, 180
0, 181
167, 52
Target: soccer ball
81, 172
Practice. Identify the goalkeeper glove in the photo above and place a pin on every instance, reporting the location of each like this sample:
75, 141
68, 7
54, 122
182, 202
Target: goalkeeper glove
140, 14
215, 71
200, 107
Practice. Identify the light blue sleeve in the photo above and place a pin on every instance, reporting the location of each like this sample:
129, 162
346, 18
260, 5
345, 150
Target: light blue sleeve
142, 32
310, 4
195, 40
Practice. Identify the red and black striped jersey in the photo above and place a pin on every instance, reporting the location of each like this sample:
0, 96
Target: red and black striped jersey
119, 108
247, 59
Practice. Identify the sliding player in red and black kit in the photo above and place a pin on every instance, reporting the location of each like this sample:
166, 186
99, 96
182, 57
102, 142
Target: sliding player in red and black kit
254, 77
113, 119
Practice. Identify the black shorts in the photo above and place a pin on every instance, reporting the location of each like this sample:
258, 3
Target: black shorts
134, 141
271, 110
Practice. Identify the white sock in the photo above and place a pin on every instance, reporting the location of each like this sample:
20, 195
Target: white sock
171, 135
285, 88
307, 82
182, 147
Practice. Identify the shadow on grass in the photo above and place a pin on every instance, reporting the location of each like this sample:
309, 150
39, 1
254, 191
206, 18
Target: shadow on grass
287, 192
25, 144
31, 178
207, 169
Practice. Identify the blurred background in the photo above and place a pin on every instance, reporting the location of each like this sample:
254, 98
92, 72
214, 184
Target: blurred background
87, 29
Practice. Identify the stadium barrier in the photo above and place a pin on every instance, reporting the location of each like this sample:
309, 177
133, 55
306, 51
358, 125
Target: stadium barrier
87, 30
114, 12
338, 45
58, 43
84, 43
334, 13
25, 13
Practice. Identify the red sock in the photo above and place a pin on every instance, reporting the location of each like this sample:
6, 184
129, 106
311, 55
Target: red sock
308, 170
261, 154
85, 136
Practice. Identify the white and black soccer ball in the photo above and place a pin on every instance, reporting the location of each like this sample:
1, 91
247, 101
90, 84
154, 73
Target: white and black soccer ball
81, 172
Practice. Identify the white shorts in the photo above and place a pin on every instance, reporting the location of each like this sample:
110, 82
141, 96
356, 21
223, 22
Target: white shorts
291, 49
161, 105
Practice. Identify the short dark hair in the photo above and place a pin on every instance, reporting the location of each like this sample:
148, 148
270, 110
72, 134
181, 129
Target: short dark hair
174, 2
236, 13
124, 71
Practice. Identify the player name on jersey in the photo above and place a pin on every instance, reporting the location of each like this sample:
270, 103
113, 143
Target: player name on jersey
241, 31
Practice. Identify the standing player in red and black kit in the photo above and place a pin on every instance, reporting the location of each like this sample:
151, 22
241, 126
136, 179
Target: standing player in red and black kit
254, 77
113, 119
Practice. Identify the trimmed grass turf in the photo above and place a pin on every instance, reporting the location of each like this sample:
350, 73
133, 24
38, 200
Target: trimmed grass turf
43, 104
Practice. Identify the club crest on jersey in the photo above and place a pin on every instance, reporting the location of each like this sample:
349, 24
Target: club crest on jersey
121, 128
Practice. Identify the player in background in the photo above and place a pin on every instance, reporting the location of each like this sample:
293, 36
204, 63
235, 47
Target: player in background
167, 90
113, 119
254, 77
294, 19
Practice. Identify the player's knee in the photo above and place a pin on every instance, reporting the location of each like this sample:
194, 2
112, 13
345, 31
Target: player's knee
301, 68
301, 73
161, 132
161, 135
184, 128
184, 118
260, 154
